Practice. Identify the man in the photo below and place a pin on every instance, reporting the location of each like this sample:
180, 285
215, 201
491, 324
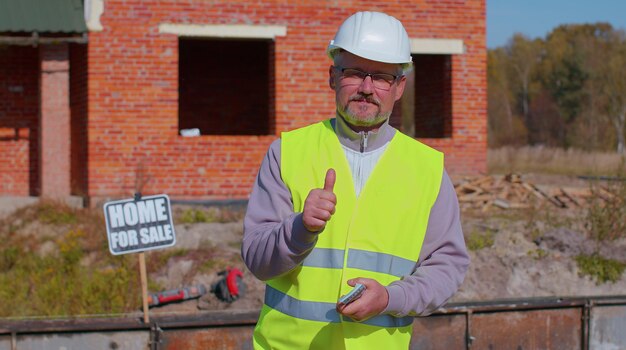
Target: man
352, 200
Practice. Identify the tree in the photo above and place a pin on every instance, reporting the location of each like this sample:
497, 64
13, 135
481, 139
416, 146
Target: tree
568, 90
524, 56
511, 86
500, 99
612, 78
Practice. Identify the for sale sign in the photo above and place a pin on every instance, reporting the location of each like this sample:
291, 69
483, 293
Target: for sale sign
135, 225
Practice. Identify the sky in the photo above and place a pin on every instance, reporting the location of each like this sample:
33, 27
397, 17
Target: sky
536, 18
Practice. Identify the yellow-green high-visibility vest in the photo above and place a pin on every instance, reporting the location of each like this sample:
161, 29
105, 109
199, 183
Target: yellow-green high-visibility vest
377, 235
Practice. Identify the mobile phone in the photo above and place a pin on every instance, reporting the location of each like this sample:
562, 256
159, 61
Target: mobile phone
354, 294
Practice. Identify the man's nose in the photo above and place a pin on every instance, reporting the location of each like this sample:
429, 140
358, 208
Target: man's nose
367, 86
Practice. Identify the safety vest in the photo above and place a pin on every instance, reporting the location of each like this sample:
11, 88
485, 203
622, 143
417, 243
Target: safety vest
377, 235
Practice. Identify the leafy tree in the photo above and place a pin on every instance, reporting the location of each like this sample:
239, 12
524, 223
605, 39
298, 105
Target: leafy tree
523, 56
505, 127
510, 76
611, 78
566, 90
564, 73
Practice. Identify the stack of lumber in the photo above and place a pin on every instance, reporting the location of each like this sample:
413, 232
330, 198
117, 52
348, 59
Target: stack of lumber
511, 192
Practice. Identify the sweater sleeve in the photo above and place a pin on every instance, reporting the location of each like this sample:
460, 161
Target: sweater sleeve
443, 261
274, 238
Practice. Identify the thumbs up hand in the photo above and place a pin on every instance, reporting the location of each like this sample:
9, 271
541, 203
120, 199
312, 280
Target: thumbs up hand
319, 205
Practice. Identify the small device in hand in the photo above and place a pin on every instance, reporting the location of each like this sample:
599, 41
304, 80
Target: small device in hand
354, 294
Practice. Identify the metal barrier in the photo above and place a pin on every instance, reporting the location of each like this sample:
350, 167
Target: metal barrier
586, 323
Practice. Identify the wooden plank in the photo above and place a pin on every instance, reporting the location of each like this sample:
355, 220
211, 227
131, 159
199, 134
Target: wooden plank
571, 199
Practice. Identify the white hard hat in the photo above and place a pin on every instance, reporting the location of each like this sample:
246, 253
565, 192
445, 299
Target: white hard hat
375, 36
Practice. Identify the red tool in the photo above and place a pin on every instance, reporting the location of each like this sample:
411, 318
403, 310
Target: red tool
230, 287
175, 295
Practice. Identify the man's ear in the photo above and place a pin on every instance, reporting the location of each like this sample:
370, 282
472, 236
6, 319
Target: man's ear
331, 77
400, 87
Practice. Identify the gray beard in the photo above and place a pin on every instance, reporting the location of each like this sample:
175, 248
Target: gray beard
369, 121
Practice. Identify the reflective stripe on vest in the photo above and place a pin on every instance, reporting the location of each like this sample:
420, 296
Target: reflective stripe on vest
323, 312
376, 235
360, 259
325, 257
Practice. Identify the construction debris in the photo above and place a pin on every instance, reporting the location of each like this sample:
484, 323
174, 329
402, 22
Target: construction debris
511, 192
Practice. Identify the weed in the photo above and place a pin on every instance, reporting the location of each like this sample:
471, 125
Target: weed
159, 258
479, 240
57, 284
606, 214
154, 286
601, 269
49, 286
235, 244
207, 265
193, 216
56, 213
537, 254
9, 258
219, 263
70, 248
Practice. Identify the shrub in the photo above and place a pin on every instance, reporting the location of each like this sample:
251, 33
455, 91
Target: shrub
58, 283
601, 269
606, 215
56, 213
60, 286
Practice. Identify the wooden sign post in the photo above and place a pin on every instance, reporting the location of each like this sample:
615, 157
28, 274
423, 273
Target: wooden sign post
139, 224
144, 286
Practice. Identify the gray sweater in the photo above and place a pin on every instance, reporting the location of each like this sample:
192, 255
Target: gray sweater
275, 240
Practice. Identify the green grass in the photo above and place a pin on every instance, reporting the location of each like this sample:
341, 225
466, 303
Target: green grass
480, 240
196, 215
537, 254
601, 269
76, 274
58, 285
193, 216
157, 259
58, 282
56, 214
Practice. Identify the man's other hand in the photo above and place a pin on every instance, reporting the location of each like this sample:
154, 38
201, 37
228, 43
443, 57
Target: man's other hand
371, 303
319, 205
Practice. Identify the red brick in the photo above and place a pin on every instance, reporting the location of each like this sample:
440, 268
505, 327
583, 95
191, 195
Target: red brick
127, 116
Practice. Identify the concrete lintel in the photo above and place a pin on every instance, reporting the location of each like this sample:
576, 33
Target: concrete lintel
437, 46
224, 30
93, 10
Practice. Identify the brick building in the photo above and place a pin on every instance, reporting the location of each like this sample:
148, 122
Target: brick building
184, 97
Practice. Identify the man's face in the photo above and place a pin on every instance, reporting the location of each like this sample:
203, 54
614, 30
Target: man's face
365, 103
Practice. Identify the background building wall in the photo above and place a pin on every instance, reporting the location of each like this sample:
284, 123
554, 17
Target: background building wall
133, 141
19, 110
78, 123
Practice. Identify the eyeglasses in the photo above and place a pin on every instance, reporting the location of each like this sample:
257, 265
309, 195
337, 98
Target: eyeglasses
353, 76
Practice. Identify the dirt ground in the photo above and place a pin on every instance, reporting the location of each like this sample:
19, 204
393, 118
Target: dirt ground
529, 253
532, 255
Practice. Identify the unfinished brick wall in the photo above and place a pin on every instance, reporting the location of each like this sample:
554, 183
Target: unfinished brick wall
19, 108
54, 121
133, 96
433, 96
223, 86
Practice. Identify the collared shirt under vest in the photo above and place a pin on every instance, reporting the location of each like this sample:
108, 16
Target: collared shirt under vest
377, 235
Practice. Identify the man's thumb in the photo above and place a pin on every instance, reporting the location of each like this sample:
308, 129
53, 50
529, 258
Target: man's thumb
329, 181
